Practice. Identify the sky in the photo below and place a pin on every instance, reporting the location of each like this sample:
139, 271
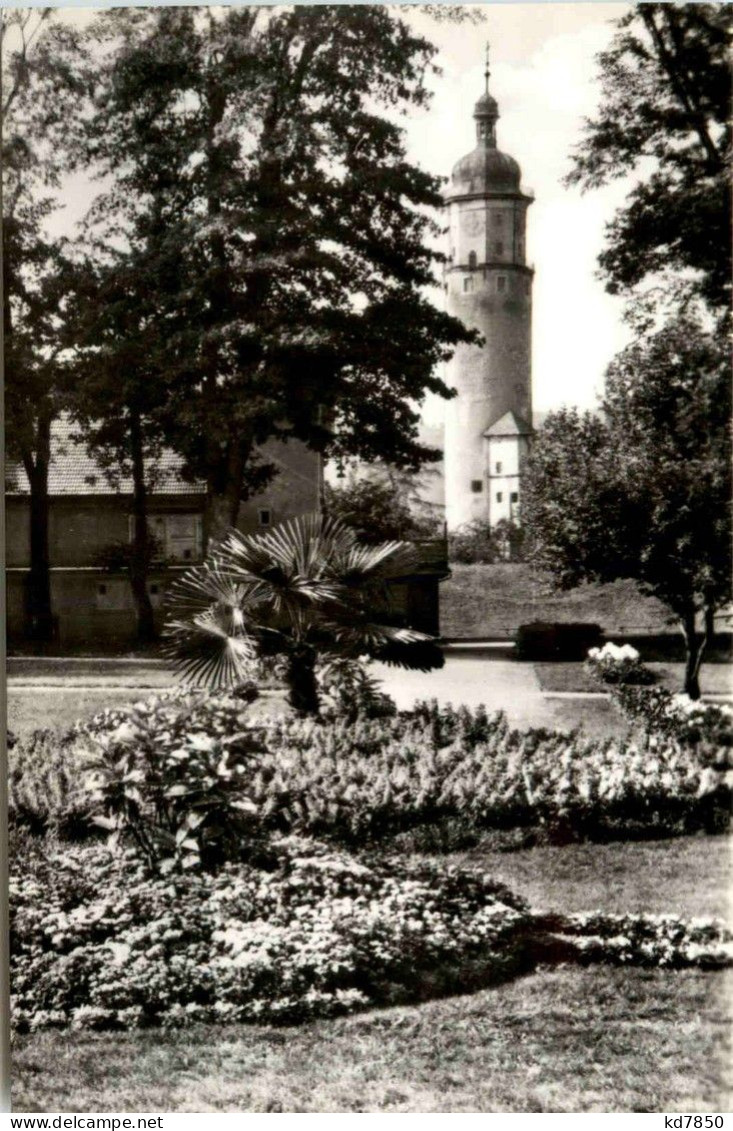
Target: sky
543, 75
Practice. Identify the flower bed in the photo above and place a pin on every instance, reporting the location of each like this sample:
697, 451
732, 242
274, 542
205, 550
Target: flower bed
98, 945
641, 940
94, 945
162, 760
694, 723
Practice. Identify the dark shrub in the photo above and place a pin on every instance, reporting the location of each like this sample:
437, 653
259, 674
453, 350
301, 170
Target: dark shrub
557, 641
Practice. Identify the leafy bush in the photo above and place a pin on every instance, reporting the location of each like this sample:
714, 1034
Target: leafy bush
557, 641
479, 541
348, 691
95, 945
614, 664
45, 787
172, 777
382, 511
691, 722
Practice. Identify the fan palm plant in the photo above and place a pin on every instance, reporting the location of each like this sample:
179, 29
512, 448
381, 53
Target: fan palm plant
304, 589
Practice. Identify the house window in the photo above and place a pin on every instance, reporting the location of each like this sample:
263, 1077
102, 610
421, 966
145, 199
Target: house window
499, 247
264, 516
498, 468
102, 590
499, 496
472, 259
476, 486
468, 283
178, 536
501, 284
514, 496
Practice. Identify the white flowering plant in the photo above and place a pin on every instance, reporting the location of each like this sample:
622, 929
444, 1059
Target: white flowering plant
641, 940
618, 664
664, 716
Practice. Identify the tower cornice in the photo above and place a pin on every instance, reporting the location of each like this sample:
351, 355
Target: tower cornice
489, 194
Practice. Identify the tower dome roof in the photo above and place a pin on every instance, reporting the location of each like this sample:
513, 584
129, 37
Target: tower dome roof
486, 169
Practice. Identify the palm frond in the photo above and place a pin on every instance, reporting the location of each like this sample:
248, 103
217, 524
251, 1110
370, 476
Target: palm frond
360, 565
421, 656
213, 584
206, 651
359, 634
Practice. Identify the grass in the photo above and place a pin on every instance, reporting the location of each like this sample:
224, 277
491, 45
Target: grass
562, 1040
690, 876
567, 1039
715, 679
30, 708
493, 600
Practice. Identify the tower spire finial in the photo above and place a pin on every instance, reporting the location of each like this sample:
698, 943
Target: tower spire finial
487, 72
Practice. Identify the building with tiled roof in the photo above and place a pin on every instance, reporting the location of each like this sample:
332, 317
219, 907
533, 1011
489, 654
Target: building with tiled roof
90, 511
73, 471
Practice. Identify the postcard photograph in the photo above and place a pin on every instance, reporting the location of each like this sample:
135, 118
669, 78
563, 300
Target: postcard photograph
368, 557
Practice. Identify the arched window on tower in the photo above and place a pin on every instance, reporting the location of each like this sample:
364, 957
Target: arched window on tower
472, 259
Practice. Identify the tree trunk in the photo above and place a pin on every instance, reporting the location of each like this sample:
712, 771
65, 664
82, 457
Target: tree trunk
695, 644
140, 557
38, 594
301, 680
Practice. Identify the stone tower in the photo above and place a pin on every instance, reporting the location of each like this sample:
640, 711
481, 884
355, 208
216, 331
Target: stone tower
489, 287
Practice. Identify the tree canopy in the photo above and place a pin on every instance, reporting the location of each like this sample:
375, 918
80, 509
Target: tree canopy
383, 505
257, 149
42, 77
664, 116
644, 491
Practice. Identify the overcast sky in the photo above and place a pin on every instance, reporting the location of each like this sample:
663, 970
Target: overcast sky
543, 76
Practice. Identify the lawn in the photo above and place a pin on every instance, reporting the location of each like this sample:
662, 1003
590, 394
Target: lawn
563, 1040
491, 601
715, 679
567, 1039
31, 707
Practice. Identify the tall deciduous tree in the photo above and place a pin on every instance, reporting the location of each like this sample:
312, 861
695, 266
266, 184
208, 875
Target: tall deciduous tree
664, 115
118, 393
282, 188
39, 84
645, 492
